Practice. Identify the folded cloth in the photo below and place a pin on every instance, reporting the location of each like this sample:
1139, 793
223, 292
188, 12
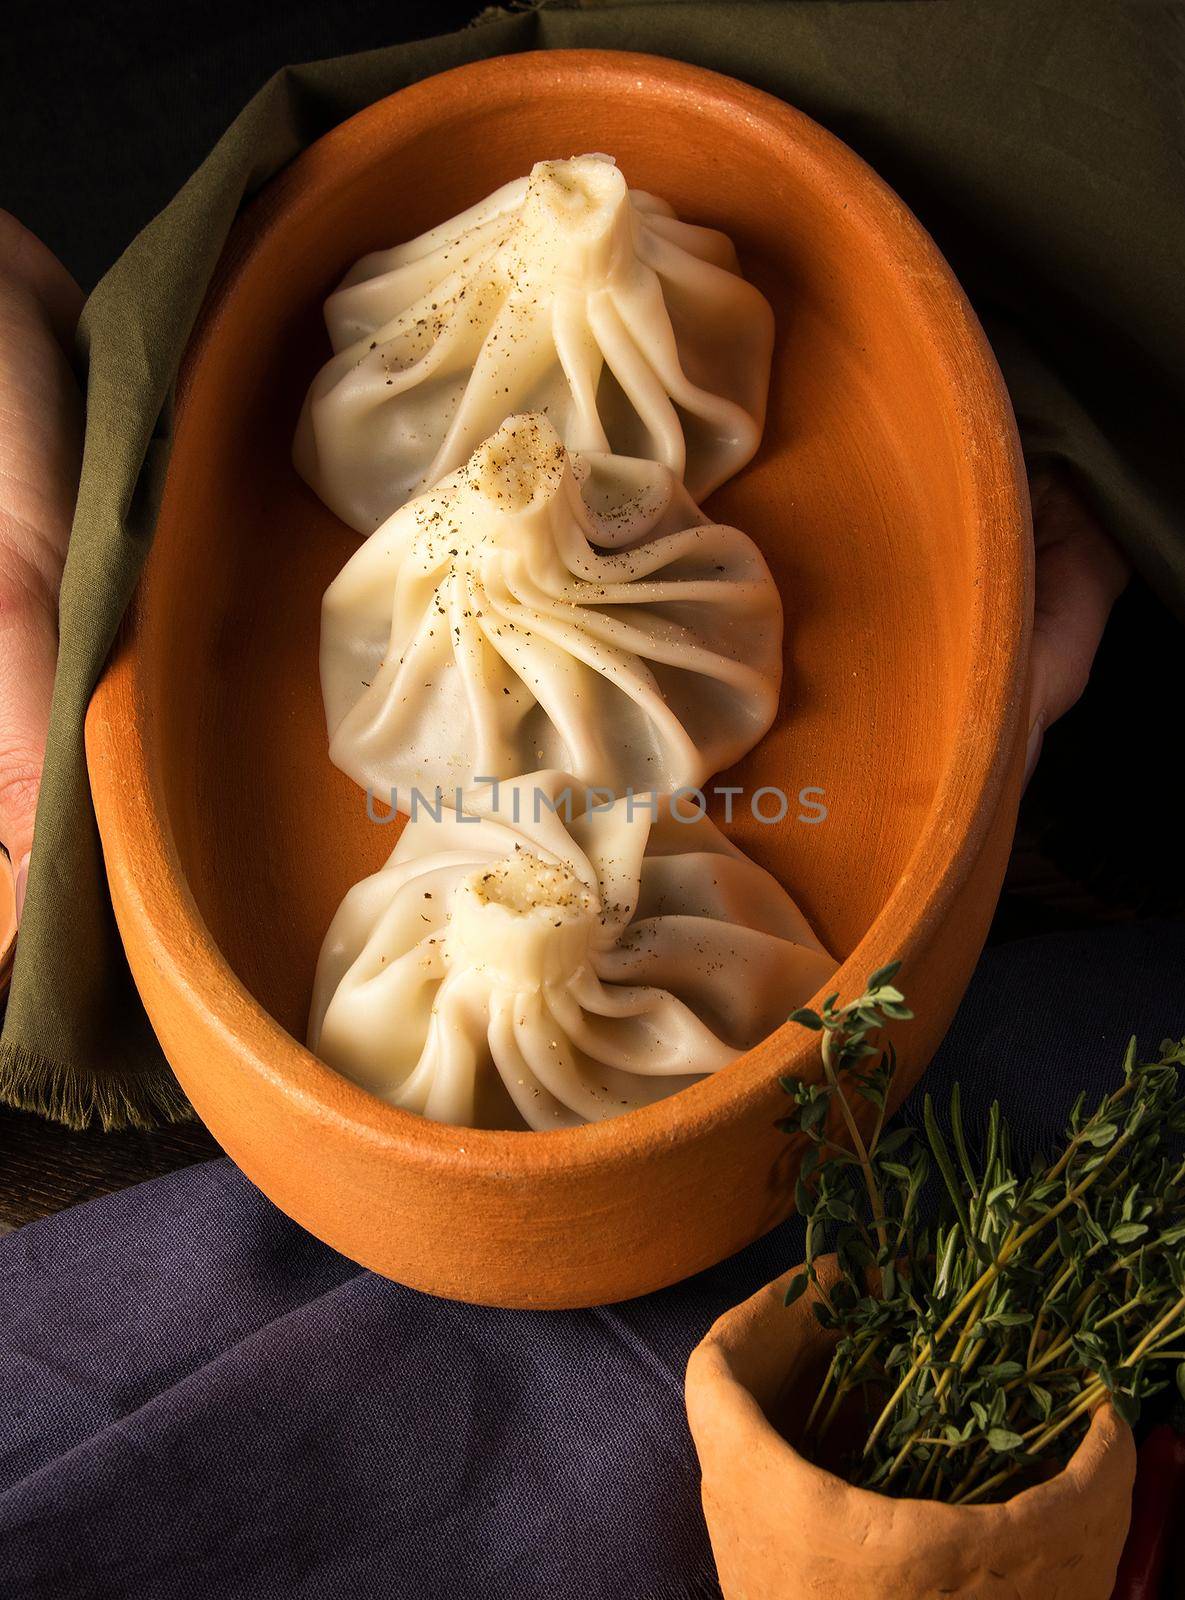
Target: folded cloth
1044, 148
203, 1403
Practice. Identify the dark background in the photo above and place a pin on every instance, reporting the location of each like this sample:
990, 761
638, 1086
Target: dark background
105, 110
107, 106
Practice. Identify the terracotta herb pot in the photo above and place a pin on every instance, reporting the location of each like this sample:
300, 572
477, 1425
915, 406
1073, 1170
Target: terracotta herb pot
889, 499
784, 1529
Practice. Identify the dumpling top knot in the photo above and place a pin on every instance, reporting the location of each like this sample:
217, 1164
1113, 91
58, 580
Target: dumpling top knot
565, 293
522, 922
523, 463
575, 223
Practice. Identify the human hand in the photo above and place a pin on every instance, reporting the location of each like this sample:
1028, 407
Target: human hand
1079, 576
40, 453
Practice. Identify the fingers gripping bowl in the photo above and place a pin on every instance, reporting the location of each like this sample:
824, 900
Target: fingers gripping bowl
887, 499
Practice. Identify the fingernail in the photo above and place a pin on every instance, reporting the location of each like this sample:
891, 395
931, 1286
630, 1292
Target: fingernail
20, 883
1033, 748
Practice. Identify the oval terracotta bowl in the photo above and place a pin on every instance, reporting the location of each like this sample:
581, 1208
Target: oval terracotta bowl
7, 926
889, 499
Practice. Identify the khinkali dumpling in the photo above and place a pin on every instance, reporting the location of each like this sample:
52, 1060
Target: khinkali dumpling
564, 292
510, 966
513, 618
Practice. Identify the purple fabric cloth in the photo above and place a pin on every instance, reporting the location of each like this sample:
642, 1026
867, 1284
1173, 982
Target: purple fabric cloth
200, 1402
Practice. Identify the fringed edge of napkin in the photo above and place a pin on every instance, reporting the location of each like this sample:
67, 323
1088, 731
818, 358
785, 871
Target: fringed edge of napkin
144, 1100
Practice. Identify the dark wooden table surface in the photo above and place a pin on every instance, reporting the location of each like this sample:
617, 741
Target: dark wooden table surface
1098, 841
44, 1167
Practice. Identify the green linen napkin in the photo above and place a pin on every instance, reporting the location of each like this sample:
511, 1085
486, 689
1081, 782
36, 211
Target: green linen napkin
1043, 146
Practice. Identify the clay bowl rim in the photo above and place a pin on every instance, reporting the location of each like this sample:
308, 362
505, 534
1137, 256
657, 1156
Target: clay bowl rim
7, 922
710, 1363
137, 837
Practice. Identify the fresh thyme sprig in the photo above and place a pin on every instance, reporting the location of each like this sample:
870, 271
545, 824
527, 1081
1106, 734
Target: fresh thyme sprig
979, 1343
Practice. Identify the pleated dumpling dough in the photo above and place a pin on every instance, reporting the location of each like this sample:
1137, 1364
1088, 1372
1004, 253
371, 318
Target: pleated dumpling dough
511, 966
513, 618
564, 292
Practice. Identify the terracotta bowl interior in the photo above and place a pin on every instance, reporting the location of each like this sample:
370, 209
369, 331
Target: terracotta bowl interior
857, 499
887, 497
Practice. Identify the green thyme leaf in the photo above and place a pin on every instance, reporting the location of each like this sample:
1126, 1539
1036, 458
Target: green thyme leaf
1003, 1439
